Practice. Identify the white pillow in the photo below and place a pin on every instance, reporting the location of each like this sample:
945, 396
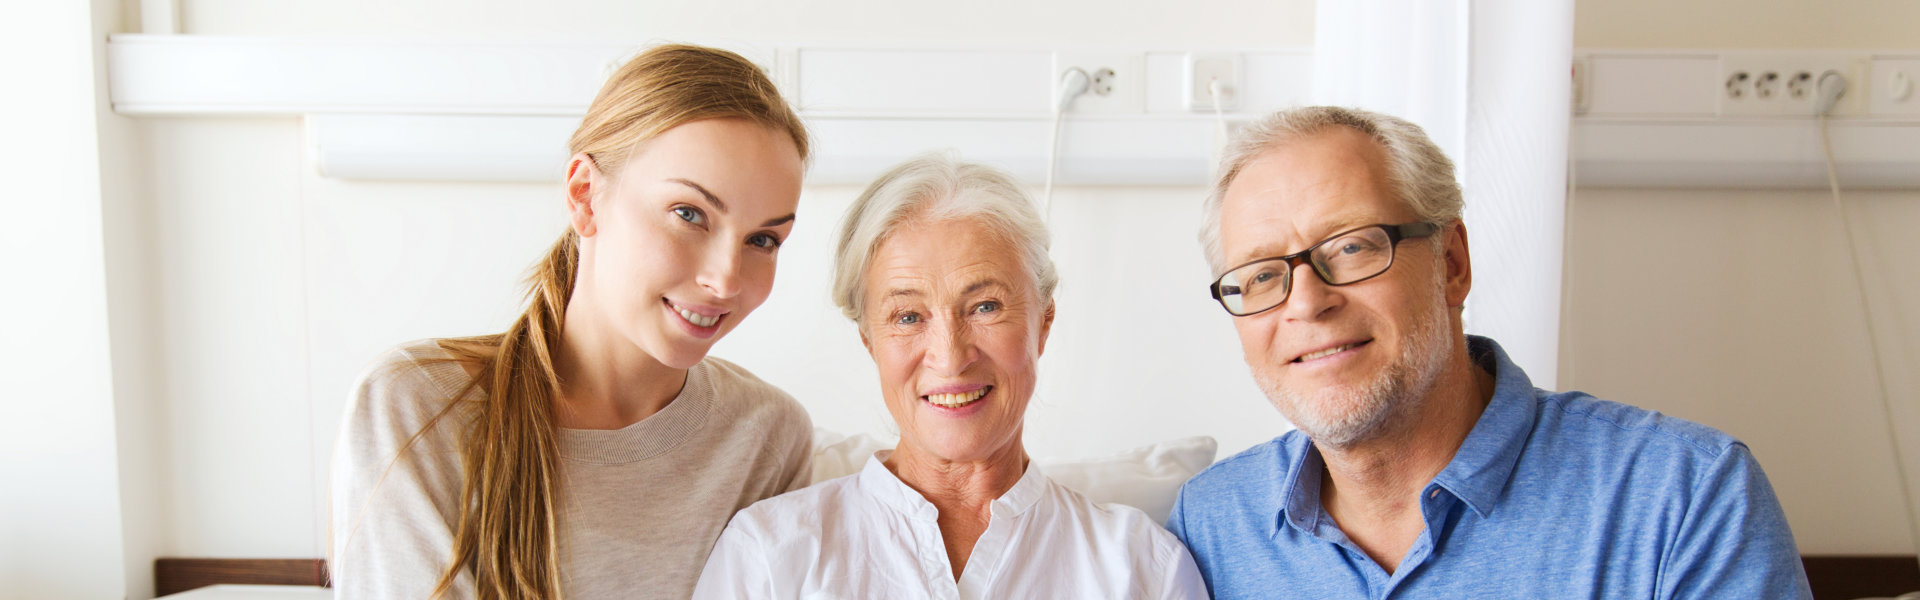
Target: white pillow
1147, 478
840, 455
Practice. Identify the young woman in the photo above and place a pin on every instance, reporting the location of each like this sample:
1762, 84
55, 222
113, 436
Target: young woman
594, 449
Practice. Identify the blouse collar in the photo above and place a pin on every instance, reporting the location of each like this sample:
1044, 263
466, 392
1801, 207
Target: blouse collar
879, 482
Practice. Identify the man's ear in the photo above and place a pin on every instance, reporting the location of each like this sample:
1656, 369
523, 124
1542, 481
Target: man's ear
1458, 264
584, 181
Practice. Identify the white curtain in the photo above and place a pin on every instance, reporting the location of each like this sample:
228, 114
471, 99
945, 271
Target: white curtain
1489, 81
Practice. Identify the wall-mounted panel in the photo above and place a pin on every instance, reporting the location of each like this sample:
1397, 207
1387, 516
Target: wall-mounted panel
441, 147
1707, 154
156, 74
1894, 88
1672, 85
1653, 118
1093, 151
1676, 119
929, 81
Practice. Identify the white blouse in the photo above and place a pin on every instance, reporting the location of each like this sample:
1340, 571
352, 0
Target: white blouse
868, 535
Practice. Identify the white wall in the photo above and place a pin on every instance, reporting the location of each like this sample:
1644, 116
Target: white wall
1868, 24
132, 320
225, 222
1127, 23
61, 527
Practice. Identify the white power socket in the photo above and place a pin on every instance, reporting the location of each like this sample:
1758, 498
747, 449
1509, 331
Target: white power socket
1203, 70
1117, 86
1786, 84
1895, 89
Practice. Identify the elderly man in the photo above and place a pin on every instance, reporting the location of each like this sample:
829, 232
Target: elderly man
1426, 464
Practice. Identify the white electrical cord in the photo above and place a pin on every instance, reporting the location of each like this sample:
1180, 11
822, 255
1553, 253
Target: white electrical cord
321, 539
1567, 264
1073, 82
1219, 129
1831, 86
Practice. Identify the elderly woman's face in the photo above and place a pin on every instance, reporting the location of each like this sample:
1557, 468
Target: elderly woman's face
955, 326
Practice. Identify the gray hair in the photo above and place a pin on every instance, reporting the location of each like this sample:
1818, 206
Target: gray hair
1418, 172
932, 188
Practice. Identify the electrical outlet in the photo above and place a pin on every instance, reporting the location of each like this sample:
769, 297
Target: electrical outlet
1786, 84
1203, 70
1117, 83
1895, 89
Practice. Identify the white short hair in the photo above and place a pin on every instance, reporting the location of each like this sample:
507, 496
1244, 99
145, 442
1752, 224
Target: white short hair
1418, 172
932, 188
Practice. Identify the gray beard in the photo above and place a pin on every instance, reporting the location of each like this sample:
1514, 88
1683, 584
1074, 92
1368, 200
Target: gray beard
1340, 417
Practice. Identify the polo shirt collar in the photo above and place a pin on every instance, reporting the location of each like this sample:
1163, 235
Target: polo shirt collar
1481, 469
1299, 497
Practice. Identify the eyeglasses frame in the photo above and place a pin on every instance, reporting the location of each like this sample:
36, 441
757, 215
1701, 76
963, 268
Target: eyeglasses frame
1395, 234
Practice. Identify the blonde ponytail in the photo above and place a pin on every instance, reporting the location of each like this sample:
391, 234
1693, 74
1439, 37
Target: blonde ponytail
508, 531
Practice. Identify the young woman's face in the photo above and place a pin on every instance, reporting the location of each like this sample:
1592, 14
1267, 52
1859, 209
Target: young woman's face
680, 243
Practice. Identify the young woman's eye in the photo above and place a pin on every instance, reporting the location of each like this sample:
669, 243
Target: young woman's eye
690, 215
986, 307
764, 241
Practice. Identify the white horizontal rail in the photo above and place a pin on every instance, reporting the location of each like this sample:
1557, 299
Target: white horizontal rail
1743, 154
476, 111
212, 75
502, 112
1109, 151
201, 75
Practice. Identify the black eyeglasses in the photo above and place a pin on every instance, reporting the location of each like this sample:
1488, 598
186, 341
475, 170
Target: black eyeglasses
1346, 258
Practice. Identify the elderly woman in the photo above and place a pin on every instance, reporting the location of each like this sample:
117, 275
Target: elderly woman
944, 268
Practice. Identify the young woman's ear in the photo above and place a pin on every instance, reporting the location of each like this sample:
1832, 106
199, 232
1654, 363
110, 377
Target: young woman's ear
583, 184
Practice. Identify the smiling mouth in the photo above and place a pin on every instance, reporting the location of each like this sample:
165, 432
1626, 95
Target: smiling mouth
697, 319
957, 400
1319, 354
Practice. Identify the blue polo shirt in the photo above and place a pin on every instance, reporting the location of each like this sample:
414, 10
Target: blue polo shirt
1550, 496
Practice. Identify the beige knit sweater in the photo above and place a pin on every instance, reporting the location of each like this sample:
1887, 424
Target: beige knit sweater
640, 506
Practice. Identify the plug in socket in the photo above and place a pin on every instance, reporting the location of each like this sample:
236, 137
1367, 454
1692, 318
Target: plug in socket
1784, 84
1203, 71
1118, 85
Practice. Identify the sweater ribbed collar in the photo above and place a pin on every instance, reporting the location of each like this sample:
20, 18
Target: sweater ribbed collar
650, 437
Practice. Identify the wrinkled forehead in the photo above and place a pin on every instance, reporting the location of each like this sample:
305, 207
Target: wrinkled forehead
947, 256
1298, 193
